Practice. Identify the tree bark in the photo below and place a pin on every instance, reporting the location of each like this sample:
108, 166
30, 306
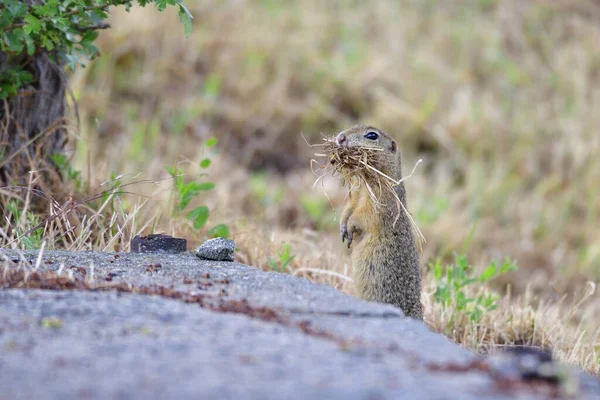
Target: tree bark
33, 122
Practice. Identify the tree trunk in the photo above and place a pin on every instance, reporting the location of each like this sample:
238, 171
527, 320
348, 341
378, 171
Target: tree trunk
33, 123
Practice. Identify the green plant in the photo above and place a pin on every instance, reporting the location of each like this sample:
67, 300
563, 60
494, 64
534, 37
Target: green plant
66, 169
219, 230
185, 192
22, 221
453, 280
65, 29
111, 194
285, 257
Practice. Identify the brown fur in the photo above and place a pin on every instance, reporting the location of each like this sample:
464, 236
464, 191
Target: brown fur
384, 255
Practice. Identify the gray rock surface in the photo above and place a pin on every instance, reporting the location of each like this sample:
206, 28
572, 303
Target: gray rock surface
219, 330
217, 249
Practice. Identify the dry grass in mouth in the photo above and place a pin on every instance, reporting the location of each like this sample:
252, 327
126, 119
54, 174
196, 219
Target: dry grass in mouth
361, 166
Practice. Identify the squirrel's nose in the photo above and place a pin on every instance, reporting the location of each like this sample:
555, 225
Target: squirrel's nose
340, 139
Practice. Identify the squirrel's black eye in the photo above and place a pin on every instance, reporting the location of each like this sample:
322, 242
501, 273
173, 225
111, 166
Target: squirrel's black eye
372, 135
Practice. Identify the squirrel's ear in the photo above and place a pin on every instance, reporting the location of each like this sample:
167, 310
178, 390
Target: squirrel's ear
394, 146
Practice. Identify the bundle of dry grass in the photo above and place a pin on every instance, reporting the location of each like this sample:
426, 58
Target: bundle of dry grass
362, 166
355, 165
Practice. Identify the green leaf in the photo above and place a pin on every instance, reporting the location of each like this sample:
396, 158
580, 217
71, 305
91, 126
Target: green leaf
176, 174
437, 269
30, 45
60, 160
16, 9
98, 15
47, 43
475, 315
198, 215
184, 200
195, 187
205, 163
63, 24
188, 191
185, 9
210, 142
220, 230
48, 9
72, 61
488, 273
25, 77
14, 40
508, 266
32, 24
173, 171
286, 261
461, 300
186, 19
162, 4
441, 294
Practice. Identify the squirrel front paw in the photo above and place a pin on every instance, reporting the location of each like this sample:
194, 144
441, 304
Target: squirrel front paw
346, 233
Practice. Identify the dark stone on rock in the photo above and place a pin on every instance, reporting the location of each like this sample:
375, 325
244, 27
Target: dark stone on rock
158, 243
528, 363
218, 249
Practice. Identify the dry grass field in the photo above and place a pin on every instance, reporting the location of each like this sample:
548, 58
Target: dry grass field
498, 98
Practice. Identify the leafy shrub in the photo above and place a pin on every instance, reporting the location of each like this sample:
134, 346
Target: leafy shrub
454, 280
285, 257
23, 221
185, 192
69, 174
65, 29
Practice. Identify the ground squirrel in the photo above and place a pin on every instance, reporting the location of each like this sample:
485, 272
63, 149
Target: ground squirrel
384, 256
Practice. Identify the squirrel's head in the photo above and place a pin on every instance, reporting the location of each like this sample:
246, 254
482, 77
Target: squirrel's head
366, 136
